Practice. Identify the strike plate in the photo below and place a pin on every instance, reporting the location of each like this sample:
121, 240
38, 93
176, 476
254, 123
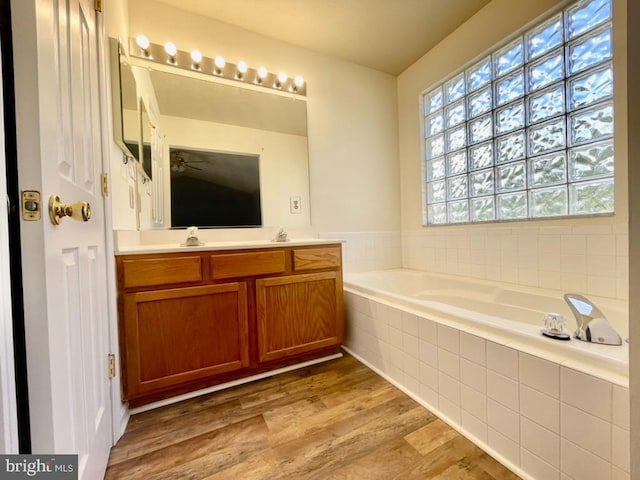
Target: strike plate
31, 205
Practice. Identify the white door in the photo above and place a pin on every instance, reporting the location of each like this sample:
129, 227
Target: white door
59, 153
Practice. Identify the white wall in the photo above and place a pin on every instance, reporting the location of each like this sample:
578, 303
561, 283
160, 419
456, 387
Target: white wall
352, 115
121, 184
116, 20
588, 255
121, 209
634, 232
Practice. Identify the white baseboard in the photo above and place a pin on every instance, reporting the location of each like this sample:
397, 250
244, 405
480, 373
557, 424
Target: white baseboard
125, 414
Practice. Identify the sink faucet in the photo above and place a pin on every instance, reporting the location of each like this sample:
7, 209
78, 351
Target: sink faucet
281, 236
192, 237
592, 326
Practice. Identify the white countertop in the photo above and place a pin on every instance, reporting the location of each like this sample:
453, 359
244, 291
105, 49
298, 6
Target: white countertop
139, 249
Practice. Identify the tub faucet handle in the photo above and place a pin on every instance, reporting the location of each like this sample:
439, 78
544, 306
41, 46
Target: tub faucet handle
554, 322
554, 326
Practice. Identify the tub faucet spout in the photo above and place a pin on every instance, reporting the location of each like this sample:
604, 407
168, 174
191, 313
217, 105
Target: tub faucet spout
592, 325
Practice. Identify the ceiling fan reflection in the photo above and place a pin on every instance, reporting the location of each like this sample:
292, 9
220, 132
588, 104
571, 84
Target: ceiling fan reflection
179, 164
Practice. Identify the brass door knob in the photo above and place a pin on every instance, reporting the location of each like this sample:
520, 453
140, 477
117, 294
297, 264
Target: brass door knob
80, 211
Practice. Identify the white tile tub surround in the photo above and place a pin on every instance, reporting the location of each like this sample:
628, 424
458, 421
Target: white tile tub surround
542, 419
364, 251
588, 259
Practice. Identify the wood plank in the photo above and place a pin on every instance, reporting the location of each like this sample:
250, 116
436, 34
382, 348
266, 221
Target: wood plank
441, 458
431, 436
383, 463
333, 421
259, 467
303, 428
323, 452
211, 452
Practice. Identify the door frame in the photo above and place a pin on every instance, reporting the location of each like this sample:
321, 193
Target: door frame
8, 401
119, 409
14, 425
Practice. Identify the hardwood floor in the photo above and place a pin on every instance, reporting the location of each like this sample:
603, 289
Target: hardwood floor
336, 420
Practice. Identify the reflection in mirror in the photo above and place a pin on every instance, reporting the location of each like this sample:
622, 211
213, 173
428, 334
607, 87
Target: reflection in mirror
124, 101
145, 157
208, 101
208, 116
198, 112
130, 118
214, 188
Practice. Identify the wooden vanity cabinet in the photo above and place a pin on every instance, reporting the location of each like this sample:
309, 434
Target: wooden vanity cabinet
188, 320
297, 313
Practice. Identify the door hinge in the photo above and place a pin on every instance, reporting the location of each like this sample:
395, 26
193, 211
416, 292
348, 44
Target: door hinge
104, 181
112, 365
97, 5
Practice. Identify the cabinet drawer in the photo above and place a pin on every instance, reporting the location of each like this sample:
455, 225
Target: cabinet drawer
161, 271
316, 258
235, 265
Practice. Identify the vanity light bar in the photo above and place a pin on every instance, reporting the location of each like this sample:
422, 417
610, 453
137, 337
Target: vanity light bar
168, 54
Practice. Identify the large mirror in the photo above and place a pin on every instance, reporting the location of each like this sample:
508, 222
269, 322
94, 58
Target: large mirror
236, 154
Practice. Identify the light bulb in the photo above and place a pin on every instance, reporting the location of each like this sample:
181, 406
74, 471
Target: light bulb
298, 81
171, 49
219, 62
196, 56
142, 41
262, 72
282, 77
242, 69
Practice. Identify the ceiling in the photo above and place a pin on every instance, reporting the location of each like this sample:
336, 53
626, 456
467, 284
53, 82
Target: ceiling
386, 35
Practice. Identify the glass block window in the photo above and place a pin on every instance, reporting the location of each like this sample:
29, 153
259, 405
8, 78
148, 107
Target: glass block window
527, 131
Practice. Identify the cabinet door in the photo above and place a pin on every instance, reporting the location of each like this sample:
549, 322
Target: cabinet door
298, 314
180, 335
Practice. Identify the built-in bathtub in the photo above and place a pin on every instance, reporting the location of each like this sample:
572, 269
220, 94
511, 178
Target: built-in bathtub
471, 351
